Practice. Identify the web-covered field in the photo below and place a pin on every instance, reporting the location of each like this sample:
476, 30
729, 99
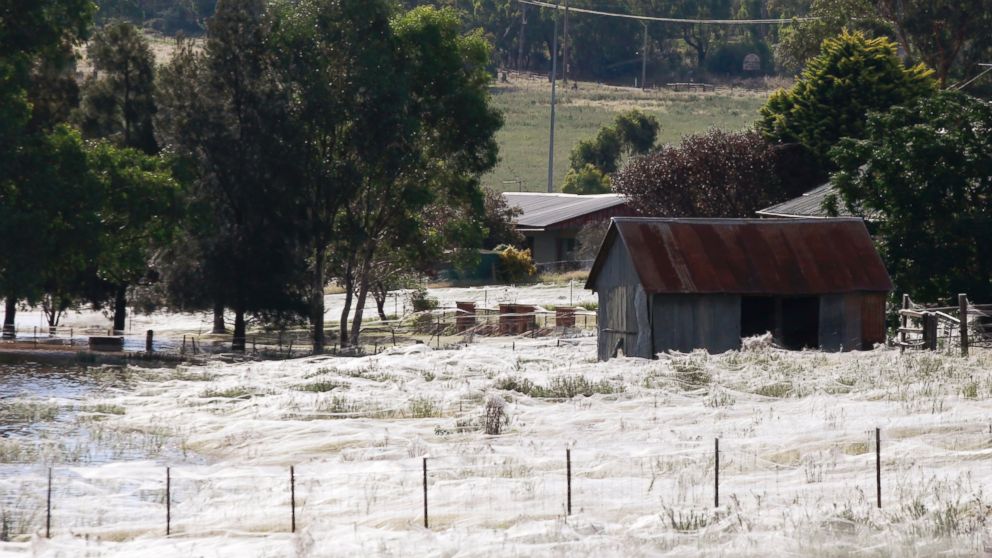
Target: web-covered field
797, 456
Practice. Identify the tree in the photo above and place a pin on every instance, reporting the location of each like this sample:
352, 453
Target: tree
450, 142
716, 174
802, 40
229, 115
49, 221
339, 60
923, 172
938, 31
851, 76
592, 161
36, 40
118, 98
138, 215
498, 219
698, 36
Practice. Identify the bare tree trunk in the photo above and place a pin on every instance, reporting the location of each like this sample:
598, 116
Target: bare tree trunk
379, 293
317, 301
10, 312
363, 291
349, 293
219, 326
120, 308
240, 330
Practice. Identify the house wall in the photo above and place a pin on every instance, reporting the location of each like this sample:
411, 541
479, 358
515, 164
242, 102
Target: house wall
544, 246
620, 298
687, 322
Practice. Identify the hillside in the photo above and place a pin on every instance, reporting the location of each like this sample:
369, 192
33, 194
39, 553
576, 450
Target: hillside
525, 102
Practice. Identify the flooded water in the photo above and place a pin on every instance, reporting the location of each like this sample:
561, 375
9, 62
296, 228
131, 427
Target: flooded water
58, 414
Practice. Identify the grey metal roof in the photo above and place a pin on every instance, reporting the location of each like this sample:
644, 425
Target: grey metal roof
809, 204
543, 210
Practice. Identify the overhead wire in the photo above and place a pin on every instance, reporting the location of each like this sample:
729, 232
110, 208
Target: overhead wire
572, 9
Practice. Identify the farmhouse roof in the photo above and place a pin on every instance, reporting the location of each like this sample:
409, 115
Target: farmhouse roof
810, 204
748, 256
541, 211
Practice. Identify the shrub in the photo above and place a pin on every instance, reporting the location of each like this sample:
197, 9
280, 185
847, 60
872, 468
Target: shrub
494, 418
420, 301
515, 265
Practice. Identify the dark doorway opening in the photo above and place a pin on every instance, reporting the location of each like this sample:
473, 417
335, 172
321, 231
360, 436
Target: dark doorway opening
801, 322
757, 315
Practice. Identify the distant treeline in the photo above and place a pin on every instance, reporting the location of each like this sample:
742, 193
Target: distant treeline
609, 49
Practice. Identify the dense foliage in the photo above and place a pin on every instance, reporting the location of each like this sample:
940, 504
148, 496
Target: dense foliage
830, 100
716, 174
592, 161
923, 175
947, 35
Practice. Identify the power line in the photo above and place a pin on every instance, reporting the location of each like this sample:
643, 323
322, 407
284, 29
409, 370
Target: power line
670, 19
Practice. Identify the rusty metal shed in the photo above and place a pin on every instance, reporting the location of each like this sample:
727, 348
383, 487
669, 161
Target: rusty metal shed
683, 284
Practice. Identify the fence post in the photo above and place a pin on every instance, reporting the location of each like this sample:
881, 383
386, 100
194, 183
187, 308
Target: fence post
878, 466
48, 507
568, 476
963, 315
168, 502
292, 498
716, 472
903, 323
426, 525
149, 337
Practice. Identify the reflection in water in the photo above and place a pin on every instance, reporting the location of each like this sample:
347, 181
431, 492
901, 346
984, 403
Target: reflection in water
60, 414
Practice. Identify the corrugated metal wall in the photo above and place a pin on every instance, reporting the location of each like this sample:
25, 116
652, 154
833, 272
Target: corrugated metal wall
840, 322
686, 322
617, 286
872, 319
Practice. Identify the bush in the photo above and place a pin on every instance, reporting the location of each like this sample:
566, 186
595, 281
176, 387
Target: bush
588, 180
515, 265
494, 418
420, 301
716, 174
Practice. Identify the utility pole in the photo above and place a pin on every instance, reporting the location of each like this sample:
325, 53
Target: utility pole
523, 33
644, 58
554, 86
564, 49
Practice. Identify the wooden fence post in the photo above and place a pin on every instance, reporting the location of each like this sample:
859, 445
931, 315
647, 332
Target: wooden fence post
963, 316
568, 476
292, 498
48, 507
426, 524
878, 466
149, 338
716, 473
168, 502
903, 323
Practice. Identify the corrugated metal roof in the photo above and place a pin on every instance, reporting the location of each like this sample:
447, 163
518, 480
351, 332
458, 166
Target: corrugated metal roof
543, 210
809, 204
749, 256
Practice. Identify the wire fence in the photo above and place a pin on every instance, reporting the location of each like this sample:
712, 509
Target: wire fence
687, 485
448, 326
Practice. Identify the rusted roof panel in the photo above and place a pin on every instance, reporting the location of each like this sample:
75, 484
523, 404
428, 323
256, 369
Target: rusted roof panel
750, 256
